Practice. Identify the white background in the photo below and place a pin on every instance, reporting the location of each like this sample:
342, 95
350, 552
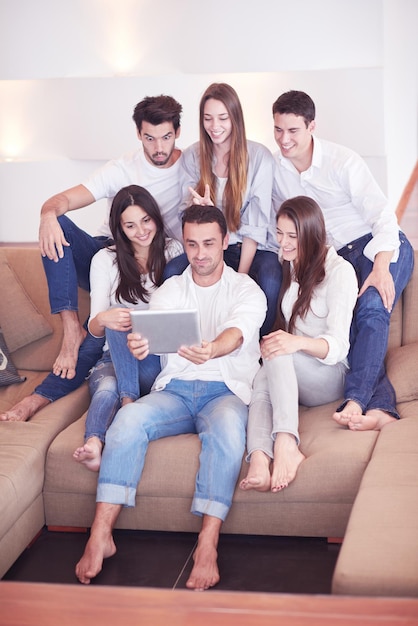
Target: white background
71, 72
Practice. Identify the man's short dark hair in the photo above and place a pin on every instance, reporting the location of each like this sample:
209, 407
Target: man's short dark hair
156, 110
203, 214
296, 102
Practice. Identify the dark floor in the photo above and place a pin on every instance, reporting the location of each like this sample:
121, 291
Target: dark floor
159, 559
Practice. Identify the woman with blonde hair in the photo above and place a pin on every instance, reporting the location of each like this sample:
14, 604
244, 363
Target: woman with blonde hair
225, 169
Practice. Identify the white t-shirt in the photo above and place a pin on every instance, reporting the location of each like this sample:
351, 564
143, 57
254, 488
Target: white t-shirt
239, 303
134, 169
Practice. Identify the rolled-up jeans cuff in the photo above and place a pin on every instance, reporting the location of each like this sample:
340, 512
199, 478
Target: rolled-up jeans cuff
201, 506
116, 494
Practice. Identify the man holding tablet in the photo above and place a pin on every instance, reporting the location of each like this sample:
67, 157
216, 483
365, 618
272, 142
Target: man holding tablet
203, 389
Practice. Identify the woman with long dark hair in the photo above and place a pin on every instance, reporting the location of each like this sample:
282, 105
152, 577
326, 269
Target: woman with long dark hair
122, 277
305, 357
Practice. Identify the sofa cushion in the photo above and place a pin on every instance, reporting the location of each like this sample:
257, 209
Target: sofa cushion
21, 321
402, 367
317, 503
8, 372
379, 554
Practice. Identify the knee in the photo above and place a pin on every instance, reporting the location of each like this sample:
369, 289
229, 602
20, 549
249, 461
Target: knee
370, 304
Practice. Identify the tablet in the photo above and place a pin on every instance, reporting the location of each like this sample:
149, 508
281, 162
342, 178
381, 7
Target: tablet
167, 331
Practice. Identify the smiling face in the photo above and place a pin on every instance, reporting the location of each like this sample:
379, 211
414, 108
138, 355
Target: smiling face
159, 143
138, 227
217, 122
293, 137
204, 246
287, 238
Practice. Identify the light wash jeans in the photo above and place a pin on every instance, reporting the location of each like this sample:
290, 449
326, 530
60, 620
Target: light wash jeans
209, 409
104, 399
280, 386
135, 378
73, 269
366, 382
265, 270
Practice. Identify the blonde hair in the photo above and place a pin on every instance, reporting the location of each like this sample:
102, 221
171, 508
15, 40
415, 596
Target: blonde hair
238, 156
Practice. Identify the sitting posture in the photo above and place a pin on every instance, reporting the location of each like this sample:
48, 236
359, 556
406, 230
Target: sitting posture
122, 278
203, 389
67, 250
304, 359
225, 169
364, 230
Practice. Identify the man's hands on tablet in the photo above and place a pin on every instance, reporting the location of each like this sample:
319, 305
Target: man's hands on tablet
139, 348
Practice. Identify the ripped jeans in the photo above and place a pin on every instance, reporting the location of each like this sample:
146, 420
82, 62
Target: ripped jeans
104, 398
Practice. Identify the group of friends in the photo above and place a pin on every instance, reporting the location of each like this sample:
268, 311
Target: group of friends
294, 261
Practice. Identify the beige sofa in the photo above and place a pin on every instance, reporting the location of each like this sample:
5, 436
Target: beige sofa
361, 486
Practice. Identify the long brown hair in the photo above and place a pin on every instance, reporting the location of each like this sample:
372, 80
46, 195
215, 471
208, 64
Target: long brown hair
131, 288
238, 156
309, 267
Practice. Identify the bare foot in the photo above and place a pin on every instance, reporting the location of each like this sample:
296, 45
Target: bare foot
74, 335
374, 419
24, 409
205, 572
91, 562
258, 476
100, 545
126, 400
90, 454
352, 410
287, 458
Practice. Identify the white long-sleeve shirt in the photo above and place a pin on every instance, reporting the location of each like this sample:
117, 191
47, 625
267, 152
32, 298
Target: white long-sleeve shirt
257, 212
352, 202
235, 301
133, 169
331, 309
104, 279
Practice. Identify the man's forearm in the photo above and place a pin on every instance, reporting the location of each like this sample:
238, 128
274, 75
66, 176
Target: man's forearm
229, 340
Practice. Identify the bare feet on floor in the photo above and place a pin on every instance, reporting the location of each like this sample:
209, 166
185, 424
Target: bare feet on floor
91, 563
287, 458
205, 572
100, 545
74, 335
90, 454
258, 476
24, 409
352, 417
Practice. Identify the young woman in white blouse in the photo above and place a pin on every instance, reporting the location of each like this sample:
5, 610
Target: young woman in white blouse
305, 357
122, 278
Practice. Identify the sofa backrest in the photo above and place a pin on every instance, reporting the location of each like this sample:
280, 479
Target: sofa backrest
25, 264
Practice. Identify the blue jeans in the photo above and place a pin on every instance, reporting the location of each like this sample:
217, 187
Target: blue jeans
209, 409
73, 269
366, 382
265, 270
54, 387
135, 378
104, 398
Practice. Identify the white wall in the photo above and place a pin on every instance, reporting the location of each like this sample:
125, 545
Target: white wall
71, 72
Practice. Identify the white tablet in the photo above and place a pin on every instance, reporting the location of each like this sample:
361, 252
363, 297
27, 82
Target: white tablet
167, 331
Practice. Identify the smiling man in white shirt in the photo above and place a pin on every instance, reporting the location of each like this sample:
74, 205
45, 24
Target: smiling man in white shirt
203, 389
364, 230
